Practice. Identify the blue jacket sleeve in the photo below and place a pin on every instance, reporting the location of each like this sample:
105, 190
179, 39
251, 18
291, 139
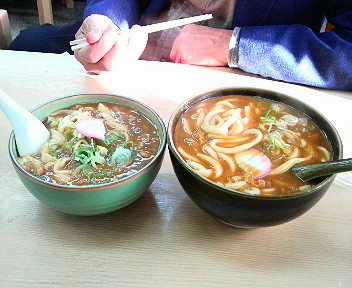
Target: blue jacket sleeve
124, 13
294, 53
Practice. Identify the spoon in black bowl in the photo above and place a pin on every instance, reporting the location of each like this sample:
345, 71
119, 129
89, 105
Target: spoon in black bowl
258, 164
307, 172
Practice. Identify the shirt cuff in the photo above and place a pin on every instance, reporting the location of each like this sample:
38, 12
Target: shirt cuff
233, 47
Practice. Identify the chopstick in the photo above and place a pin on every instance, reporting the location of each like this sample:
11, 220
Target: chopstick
82, 42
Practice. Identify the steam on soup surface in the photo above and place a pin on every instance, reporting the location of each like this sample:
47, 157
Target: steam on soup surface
249, 144
113, 142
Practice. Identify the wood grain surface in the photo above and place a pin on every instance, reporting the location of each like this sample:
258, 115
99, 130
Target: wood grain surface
163, 239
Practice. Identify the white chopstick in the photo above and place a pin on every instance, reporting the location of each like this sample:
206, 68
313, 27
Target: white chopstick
80, 43
175, 23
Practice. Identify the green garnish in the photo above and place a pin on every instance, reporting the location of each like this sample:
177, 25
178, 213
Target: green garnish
54, 149
270, 119
84, 154
87, 170
114, 139
118, 153
276, 158
121, 157
68, 134
89, 155
129, 145
276, 142
122, 150
269, 110
267, 117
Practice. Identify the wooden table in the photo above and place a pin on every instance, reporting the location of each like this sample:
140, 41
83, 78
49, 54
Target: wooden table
163, 239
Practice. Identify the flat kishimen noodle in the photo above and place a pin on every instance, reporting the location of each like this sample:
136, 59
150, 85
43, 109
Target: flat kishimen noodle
93, 144
249, 144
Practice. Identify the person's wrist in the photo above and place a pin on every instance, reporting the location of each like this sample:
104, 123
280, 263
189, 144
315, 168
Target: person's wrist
233, 48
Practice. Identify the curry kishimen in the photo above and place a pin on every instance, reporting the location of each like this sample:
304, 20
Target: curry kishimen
94, 144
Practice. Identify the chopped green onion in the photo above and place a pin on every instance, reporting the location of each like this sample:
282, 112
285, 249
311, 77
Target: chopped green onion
276, 158
276, 142
87, 155
269, 110
68, 134
113, 139
121, 157
84, 154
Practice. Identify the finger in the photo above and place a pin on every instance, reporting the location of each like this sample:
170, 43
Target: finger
110, 60
80, 34
95, 52
115, 57
104, 64
178, 58
123, 51
90, 67
174, 52
94, 36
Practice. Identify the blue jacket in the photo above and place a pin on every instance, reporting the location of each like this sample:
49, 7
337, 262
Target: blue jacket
280, 39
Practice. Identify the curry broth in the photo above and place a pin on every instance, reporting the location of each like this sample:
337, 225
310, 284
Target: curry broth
193, 142
126, 123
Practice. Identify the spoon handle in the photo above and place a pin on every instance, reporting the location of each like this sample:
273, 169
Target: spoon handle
12, 109
30, 132
310, 171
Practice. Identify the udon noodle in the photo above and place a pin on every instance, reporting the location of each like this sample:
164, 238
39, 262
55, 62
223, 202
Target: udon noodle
249, 144
129, 142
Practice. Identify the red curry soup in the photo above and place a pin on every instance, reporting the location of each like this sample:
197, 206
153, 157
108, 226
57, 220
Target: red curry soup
94, 144
249, 144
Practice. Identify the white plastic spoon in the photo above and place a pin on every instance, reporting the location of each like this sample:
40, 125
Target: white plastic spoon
30, 132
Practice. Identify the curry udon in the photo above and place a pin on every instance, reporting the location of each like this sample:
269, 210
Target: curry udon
249, 144
128, 141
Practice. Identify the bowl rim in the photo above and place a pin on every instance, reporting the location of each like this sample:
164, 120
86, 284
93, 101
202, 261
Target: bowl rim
87, 188
196, 99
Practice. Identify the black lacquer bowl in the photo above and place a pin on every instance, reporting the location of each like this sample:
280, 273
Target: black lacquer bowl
239, 209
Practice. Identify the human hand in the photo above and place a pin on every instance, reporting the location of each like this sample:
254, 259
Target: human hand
108, 47
201, 45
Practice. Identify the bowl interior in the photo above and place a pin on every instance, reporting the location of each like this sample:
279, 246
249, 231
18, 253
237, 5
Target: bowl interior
45, 109
320, 121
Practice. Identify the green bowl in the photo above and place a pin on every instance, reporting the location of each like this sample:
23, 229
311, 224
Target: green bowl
92, 199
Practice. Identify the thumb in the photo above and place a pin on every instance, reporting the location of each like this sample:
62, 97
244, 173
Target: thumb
94, 36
